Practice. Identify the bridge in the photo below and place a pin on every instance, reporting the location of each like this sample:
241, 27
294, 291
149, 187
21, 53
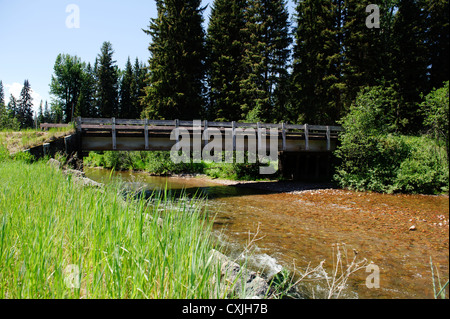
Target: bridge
304, 151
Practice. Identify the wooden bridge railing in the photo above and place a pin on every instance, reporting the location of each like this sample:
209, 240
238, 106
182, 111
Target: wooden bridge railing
177, 123
286, 130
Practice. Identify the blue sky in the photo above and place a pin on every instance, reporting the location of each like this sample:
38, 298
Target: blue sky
34, 32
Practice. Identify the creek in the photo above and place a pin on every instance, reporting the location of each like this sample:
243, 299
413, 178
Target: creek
399, 234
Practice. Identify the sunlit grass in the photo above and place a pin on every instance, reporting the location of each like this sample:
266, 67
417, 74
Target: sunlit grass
123, 247
16, 141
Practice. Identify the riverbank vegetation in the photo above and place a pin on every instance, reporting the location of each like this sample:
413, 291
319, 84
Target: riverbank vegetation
17, 140
376, 156
160, 163
59, 239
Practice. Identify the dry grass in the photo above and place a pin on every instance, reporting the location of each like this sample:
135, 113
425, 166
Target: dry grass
15, 141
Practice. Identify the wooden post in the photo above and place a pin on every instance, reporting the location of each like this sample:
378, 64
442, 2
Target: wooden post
177, 131
306, 137
146, 134
328, 139
233, 132
259, 136
46, 149
67, 140
78, 124
114, 144
79, 140
206, 135
283, 133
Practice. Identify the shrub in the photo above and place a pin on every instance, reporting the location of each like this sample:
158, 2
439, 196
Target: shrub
436, 110
423, 171
235, 171
376, 158
158, 163
24, 157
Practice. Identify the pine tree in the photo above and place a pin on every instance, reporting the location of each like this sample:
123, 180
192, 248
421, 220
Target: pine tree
368, 54
362, 65
25, 106
47, 115
126, 96
265, 59
137, 88
107, 76
66, 83
86, 106
8, 114
12, 106
7, 121
438, 41
317, 83
225, 54
40, 115
278, 56
175, 85
4, 114
410, 60
2, 94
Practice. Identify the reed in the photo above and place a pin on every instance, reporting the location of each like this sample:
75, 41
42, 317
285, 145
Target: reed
62, 240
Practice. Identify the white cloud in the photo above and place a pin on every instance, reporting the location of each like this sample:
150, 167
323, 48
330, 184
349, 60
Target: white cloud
15, 90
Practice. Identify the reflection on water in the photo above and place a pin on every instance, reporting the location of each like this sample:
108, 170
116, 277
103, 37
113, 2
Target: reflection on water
297, 230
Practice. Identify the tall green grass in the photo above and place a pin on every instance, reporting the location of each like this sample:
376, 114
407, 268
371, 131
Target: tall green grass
55, 234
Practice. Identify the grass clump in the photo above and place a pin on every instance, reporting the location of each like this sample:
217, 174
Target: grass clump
16, 141
59, 239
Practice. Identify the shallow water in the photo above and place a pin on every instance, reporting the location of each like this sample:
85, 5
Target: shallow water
294, 230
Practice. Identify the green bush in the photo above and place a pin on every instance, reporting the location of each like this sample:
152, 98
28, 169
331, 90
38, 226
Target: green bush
24, 157
114, 160
234, 171
158, 163
425, 170
161, 163
375, 157
435, 107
